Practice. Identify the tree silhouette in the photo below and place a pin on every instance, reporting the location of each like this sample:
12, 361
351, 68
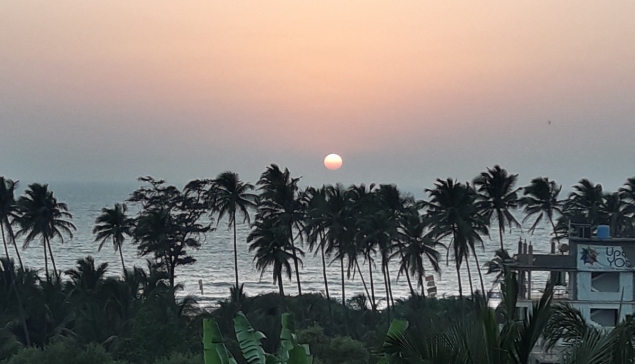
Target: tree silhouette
113, 224
231, 196
497, 197
42, 216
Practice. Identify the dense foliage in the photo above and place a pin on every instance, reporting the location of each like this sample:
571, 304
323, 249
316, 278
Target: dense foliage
361, 229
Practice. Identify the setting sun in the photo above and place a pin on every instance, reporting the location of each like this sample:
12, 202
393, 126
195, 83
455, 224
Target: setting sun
333, 162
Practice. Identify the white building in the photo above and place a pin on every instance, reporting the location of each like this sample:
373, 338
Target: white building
592, 273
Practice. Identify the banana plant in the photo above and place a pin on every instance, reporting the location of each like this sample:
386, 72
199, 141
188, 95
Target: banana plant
249, 340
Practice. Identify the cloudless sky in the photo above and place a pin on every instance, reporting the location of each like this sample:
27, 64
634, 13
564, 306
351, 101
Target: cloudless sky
406, 91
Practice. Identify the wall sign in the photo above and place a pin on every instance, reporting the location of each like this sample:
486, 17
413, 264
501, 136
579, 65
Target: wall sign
602, 257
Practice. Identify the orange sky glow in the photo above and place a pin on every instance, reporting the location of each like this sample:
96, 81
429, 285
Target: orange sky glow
353, 77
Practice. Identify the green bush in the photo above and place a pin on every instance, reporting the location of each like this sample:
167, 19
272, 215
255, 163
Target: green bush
63, 353
179, 358
335, 350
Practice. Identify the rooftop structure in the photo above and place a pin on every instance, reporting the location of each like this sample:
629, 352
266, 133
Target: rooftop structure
592, 273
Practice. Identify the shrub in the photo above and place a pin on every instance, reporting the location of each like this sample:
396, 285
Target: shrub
63, 353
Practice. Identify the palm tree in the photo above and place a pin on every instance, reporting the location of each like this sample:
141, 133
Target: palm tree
416, 244
499, 336
541, 198
396, 205
116, 225
273, 250
497, 196
279, 201
42, 216
453, 213
615, 211
314, 229
231, 196
588, 198
8, 214
567, 326
339, 230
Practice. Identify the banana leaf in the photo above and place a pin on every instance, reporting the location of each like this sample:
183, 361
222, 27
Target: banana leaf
249, 341
214, 349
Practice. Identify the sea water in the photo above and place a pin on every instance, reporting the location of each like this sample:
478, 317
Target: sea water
215, 264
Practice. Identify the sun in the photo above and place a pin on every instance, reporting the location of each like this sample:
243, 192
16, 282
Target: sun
333, 162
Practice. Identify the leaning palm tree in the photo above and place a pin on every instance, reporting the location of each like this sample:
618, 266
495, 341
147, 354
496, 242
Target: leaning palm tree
541, 198
453, 213
232, 196
414, 245
115, 225
497, 197
271, 243
8, 214
42, 216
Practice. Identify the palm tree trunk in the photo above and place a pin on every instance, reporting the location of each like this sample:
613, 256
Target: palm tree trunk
236, 253
6, 250
46, 261
383, 272
280, 285
412, 291
326, 283
362, 277
372, 287
555, 233
15, 245
122, 263
458, 276
458, 265
500, 234
469, 276
343, 286
392, 299
52, 259
295, 261
480, 275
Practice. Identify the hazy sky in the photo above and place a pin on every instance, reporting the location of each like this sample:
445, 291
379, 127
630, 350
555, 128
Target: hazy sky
405, 91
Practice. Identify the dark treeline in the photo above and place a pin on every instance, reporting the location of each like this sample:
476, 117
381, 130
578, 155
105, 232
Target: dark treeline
362, 229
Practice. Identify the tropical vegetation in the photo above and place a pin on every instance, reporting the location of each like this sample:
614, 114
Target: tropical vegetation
363, 230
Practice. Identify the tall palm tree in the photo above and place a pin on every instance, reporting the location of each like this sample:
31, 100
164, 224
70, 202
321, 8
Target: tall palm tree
453, 213
115, 225
540, 198
497, 196
232, 196
339, 230
396, 205
415, 244
279, 201
273, 250
315, 227
42, 216
8, 214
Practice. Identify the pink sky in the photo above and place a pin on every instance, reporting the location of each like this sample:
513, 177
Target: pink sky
405, 91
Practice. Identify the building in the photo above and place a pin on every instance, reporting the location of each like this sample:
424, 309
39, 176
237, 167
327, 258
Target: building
592, 273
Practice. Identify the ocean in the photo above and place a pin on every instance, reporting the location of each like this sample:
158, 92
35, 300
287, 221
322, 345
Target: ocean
214, 265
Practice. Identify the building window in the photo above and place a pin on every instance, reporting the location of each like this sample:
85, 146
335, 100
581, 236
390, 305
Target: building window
605, 281
604, 316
